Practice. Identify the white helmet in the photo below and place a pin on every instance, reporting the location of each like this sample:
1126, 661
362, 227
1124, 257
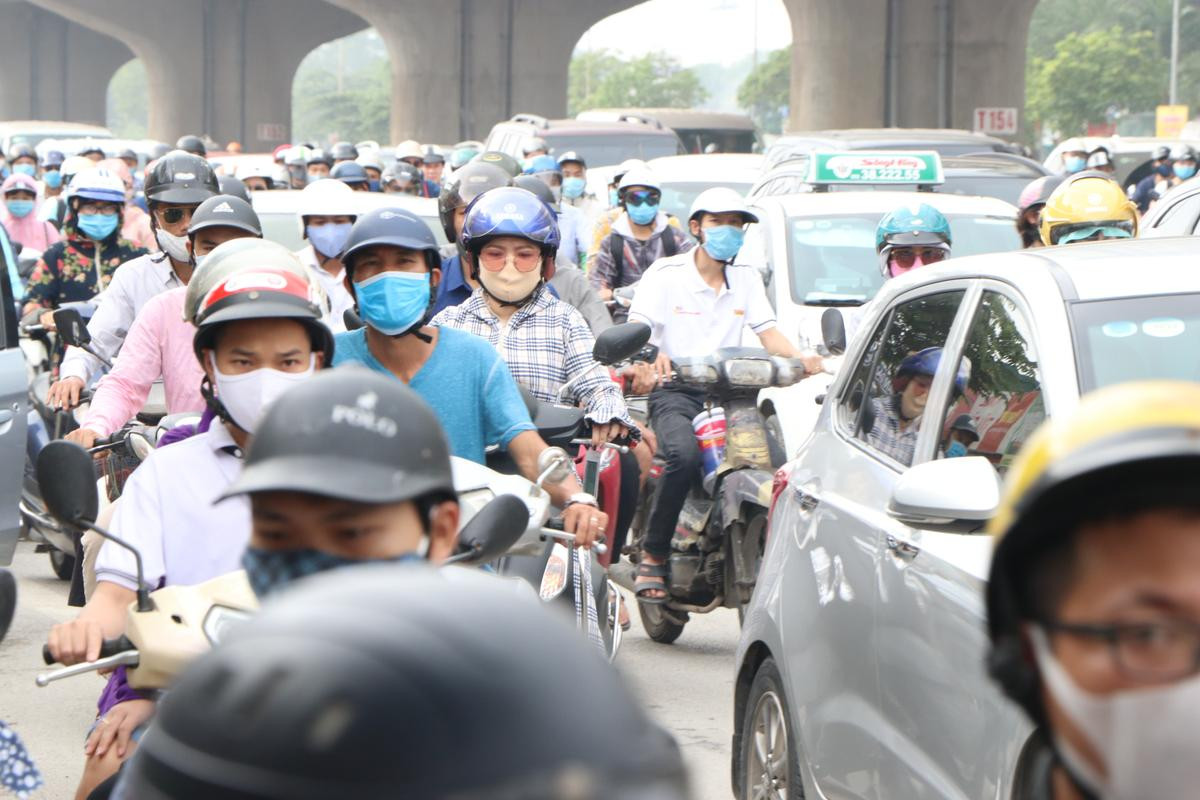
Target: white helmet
720, 200
626, 165
409, 148
296, 156
98, 183
326, 197
370, 159
639, 176
256, 169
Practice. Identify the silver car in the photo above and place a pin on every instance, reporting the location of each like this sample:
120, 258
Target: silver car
861, 667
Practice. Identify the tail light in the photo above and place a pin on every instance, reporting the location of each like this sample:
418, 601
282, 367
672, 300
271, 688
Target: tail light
778, 484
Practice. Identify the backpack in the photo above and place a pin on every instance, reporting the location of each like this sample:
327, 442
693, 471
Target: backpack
616, 249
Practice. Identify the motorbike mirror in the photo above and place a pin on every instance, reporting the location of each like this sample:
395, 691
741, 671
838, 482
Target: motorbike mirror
66, 477
71, 328
620, 342
139, 445
8, 601
833, 331
554, 466
351, 319
492, 531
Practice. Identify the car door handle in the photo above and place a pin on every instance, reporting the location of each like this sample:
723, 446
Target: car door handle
6, 415
807, 498
903, 550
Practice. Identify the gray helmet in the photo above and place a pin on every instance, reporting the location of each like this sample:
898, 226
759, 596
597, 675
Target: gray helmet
192, 144
539, 188
471, 692
343, 151
350, 434
230, 184
225, 211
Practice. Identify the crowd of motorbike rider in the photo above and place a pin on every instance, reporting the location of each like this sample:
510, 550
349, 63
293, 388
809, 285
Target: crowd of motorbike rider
323, 444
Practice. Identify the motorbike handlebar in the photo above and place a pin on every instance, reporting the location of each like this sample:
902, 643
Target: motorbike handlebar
108, 648
554, 530
615, 444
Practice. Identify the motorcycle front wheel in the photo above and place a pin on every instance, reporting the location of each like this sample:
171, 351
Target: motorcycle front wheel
660, 623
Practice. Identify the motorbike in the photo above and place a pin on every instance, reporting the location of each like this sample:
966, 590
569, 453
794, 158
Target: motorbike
721, 532
167, 629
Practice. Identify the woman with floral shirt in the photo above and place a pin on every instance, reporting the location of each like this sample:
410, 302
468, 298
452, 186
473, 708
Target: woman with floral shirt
79, 267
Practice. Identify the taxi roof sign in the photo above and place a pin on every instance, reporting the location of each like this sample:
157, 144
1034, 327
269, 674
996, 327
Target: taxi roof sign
922, 167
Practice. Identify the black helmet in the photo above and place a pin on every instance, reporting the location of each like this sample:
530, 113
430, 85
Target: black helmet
230, 184
192, 144
349, 172
539, 188
432, 154
397, 227
468, 183
474, 693
1161, 152
159, 150
180, 177
344, 151
127, 154
225, 211
319, 156
402, 171
502, 160
351, 434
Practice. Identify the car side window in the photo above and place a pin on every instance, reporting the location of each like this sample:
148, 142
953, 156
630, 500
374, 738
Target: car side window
1001, 403
885, 399
1179, 219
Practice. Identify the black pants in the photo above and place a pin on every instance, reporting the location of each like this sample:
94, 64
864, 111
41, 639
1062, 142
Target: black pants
627, 498
671, 413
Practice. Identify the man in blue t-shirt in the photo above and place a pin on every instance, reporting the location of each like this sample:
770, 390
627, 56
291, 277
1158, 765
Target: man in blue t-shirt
392, 265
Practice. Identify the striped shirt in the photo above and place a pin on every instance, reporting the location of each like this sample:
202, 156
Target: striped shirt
546, 343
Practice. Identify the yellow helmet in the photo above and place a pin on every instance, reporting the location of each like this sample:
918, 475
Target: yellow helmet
1128, 446
1085, 204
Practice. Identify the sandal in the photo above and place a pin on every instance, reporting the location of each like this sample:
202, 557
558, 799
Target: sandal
658, 572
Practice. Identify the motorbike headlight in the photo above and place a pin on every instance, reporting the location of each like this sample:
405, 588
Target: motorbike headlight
697, 372
220, 620
750, 372
788, 371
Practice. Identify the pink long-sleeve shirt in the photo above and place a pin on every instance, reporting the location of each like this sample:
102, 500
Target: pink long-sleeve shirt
159, 344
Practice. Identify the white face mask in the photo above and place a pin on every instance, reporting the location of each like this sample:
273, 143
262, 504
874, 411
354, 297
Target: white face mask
246, 396
1147, 737
172, 245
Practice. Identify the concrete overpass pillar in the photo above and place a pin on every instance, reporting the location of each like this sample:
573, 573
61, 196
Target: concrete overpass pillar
459, 67
990, 37
53, 68
217, 67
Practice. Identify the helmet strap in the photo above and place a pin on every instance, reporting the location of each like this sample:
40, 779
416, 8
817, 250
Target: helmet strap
214, 403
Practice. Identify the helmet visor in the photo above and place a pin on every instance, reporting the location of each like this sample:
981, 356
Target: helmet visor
1082, 231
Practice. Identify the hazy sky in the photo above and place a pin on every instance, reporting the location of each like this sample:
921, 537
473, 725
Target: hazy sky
694, 31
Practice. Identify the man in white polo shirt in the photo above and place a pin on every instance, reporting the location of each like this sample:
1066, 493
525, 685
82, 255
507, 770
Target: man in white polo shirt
695, 303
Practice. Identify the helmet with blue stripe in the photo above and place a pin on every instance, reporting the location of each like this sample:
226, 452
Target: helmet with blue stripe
98, 184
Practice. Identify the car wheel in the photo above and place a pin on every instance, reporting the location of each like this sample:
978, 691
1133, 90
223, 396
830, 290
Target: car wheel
768, 763
661, 625
62, 564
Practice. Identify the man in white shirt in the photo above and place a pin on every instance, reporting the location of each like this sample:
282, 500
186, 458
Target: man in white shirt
328, 210
175, 187
695, 303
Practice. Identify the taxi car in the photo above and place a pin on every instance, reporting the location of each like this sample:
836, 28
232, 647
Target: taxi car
817, 251
861, 665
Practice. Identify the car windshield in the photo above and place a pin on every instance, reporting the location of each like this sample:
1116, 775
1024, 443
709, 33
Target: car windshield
1002, 187
607, 149
677, 198
283, 228
832, 259
1137, 338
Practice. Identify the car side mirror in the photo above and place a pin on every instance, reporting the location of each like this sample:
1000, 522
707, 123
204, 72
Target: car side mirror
66, 477
833, 331
351, 319
492, 531
71, 328
954, 495
620, 342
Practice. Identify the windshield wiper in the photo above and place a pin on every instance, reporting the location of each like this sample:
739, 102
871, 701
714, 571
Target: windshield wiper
834, 300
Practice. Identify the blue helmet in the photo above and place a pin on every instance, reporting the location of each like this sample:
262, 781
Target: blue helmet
396, 227
921, 225
926, 362
543, 164
509, 211
349, 172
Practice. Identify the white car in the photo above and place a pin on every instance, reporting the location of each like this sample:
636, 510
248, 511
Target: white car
684, 177
817, 251
277, 212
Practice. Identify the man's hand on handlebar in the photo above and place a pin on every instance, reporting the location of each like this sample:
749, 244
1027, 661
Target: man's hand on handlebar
586, 522
65, 394
642, 377
46, 320
813, 363
84, 437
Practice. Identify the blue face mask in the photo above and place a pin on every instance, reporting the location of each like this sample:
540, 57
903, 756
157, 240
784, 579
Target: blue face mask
573, 187
98, 226
1163, 169
52, 178
1184, 172
329, 240
392, 302
373, 186
956, 449
25, 169
1074, 163
20, 208
613, 200
723, 242
643, 214
271, 570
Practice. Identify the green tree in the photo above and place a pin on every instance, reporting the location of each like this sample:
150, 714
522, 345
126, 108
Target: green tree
128, 110
765, 92
1094, 74
360, 110
599, 79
